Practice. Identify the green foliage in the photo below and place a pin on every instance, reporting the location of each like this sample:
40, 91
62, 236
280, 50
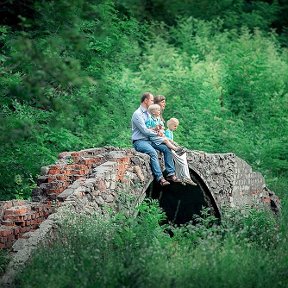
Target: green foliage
121, 250
71, 77
4, 259
235, 13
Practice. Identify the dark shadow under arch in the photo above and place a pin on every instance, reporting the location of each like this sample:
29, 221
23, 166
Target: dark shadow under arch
181, 202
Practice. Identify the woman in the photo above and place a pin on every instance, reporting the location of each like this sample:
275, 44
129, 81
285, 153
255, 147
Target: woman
181, 165
161, 101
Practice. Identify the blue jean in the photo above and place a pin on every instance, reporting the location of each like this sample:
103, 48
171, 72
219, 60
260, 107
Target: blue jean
149, 147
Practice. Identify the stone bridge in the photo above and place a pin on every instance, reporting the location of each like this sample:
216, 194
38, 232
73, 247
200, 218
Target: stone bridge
95, 179
91, 179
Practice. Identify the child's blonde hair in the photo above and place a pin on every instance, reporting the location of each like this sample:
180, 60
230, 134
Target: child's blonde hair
153, 107
172, 121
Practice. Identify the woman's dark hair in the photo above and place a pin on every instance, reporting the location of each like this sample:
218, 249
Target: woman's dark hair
158, 99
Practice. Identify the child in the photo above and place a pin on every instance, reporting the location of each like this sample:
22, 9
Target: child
172, 125
181, 165
154, 122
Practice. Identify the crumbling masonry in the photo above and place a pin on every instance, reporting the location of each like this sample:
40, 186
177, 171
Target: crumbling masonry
91, 179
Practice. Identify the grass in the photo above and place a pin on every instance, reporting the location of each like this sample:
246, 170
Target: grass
248, 249
4, 259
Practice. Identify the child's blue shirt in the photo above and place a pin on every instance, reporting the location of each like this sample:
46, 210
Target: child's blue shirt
169, 134
152, 122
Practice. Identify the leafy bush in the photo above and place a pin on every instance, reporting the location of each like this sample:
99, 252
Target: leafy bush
70, 73
120, 250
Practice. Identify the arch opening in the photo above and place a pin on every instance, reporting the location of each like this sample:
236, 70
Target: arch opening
182, 202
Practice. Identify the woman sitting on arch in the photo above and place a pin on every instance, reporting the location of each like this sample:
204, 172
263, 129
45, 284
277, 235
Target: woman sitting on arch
180, 161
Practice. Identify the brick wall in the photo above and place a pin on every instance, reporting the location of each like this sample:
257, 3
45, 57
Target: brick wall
73, 166
87, 179
19, 217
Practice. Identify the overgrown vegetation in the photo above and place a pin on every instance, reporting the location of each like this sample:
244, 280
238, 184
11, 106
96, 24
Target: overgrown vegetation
72, 72
4, 260
247, 249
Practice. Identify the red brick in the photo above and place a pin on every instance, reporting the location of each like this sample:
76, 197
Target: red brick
123, 160
70, 166
51, 178
3, 239
17, 210
32, 222
13, 218
56, 184
91, 161
55, 166
25, 229
55, 191
8, 223
2, 246
16, 230
54, 171
266, 199
37, 208
61, 177
81, 172
75, 154
5, 231
47, 204
68, 172
88, 162
10, 238
80, 166
78, 177
121, 169
65, 184
27, 217
46, 214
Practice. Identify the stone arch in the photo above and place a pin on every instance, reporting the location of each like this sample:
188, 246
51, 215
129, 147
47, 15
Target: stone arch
91, 179
209, 198
181, 202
